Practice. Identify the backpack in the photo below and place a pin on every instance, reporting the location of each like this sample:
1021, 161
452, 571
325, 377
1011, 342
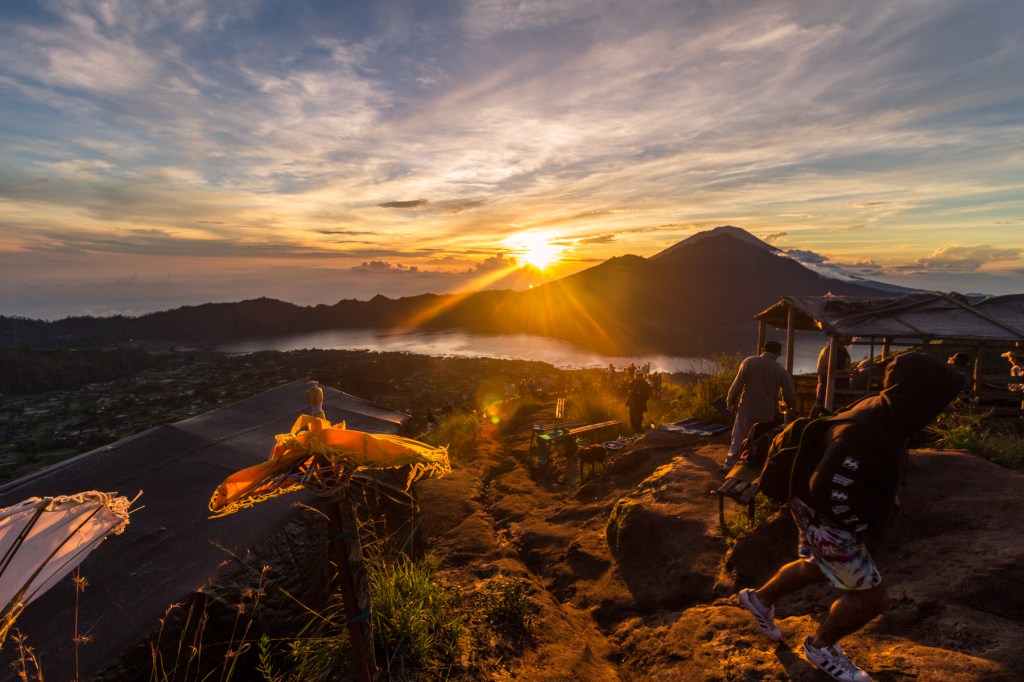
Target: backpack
639, 393
792, 457
754, 448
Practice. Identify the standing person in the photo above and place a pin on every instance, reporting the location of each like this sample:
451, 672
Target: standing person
961, 362
315, 398
754, 395
845, 507
842, 366
1016, 358
637, 394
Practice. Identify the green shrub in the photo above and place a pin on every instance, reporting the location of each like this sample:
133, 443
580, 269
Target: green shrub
1004, 446
525, 408
683, 401
996, 440
958, 429
460, 432
418, 622
319, 652
418, 630
741, 522
507, 606
597, 405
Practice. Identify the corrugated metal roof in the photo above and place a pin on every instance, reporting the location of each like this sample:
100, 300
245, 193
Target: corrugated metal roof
923, 316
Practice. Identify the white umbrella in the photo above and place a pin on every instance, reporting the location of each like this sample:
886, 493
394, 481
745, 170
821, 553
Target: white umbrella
42, 540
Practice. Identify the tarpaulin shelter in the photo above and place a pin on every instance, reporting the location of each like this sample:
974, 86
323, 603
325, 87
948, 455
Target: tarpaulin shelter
43, 539
919, 318
172, 550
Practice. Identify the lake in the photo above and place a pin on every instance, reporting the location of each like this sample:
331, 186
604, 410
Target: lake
508, 347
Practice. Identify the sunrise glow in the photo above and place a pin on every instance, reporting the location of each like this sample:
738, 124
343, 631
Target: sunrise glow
536, 249
350, 156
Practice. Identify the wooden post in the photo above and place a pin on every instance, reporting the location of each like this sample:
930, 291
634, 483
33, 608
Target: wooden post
352, 581
830, 381
761, 334
976, 372
870, 369
790, 336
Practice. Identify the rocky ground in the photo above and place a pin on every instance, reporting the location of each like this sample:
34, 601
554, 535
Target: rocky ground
634, 581
629, 572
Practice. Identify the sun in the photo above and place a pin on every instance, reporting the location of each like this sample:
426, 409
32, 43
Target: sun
536, 249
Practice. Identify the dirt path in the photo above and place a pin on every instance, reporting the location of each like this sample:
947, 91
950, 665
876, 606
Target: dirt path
633, 580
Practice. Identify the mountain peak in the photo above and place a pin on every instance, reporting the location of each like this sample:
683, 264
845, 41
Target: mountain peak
720, 231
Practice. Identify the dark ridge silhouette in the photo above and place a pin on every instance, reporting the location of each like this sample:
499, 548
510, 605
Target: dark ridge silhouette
696, 297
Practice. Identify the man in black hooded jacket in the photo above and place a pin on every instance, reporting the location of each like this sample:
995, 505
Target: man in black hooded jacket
843, 511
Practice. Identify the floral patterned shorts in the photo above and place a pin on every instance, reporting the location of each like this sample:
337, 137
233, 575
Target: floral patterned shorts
840, 555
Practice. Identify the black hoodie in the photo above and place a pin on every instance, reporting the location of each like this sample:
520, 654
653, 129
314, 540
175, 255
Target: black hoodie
855, 482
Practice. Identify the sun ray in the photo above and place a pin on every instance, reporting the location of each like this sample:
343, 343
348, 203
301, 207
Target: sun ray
448, 302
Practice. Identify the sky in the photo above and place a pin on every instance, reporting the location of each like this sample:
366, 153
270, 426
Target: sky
163, 153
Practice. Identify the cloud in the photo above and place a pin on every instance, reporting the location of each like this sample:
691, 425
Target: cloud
415, 203
774, 237
823, 265
806, 257
967, 269
866, 268
236, 131
495, 263
345, 233
606, 238
957, 258
384, 266
453, 206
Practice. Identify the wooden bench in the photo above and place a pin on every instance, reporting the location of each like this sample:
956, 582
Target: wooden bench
740, 486
546, 441
539, 429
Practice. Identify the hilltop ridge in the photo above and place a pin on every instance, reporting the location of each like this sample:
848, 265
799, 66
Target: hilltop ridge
698, 296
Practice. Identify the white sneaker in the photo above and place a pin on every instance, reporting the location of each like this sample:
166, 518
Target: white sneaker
832, 660
764, 618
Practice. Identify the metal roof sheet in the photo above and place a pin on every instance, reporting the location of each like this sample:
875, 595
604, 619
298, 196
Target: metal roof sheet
920, 316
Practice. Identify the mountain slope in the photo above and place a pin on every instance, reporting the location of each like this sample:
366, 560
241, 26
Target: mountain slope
697, 297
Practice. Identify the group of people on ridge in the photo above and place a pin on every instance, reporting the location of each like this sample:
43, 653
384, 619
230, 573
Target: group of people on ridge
844, 509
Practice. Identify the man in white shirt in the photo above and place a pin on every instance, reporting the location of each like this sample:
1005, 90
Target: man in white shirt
754, 394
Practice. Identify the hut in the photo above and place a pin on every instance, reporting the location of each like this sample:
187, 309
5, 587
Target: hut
984, 327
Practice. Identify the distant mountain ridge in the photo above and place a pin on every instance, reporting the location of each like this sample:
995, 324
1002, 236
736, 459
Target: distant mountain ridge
696, 297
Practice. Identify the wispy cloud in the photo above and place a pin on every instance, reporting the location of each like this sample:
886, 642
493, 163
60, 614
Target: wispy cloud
427, 134
957, 258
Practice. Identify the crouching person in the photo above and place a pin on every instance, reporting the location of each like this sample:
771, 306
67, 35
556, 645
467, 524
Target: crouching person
846, 505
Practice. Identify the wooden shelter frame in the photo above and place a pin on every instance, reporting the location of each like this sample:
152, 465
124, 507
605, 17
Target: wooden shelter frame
915, 319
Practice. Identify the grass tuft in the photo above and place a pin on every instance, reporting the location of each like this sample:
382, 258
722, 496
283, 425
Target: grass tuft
506, 606
418, 629
997, 440
461, 432
741, 522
